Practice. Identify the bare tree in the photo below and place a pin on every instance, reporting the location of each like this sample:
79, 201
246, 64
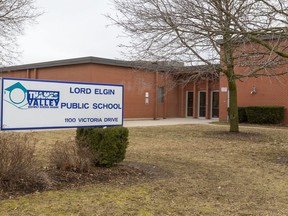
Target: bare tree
14, 16
210, 32
277, 11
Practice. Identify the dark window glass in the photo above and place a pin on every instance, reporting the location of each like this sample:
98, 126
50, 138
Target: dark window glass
190, 104
215, 104
202, 104
160, 94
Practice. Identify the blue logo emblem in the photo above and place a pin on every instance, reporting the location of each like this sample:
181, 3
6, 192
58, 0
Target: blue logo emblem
23, 98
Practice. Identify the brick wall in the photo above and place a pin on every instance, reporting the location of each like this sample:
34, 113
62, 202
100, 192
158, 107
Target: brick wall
137, 85
270, 90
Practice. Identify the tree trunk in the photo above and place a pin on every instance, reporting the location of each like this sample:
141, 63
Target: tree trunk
233, 107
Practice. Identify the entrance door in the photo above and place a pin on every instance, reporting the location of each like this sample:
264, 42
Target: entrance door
189, 111
215, 104
202, 104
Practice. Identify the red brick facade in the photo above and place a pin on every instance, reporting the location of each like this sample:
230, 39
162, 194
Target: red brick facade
261, 91
205, 99
140, 86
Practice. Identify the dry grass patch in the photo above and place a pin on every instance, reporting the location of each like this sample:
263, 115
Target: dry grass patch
192, 169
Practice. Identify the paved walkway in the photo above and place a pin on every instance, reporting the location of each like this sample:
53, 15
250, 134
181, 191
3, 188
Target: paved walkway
169, 121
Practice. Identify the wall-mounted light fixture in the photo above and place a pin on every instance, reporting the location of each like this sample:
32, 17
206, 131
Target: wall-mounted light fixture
253, 91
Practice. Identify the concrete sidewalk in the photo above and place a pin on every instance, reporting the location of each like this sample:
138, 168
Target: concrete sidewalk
169, 121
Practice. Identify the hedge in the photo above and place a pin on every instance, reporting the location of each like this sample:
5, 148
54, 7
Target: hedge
265, 114
242, 114
261, 114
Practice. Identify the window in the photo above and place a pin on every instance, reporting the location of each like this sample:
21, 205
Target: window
160, 94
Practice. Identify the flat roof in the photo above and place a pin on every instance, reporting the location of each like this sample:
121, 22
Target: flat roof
74, 61
161, 66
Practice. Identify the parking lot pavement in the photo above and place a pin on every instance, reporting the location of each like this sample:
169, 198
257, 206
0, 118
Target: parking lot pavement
168, 121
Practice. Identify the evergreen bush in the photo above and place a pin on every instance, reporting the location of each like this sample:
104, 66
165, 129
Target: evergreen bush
242, 114
265, 114
108, 145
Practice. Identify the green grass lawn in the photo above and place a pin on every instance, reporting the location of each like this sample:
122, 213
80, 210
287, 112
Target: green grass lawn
200, 170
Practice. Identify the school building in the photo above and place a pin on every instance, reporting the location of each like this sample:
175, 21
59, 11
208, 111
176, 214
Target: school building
150, 90
157, 90
269, 88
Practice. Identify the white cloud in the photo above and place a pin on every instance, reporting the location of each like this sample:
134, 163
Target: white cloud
71, 29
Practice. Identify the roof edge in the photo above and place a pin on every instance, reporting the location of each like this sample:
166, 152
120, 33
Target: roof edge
65, 62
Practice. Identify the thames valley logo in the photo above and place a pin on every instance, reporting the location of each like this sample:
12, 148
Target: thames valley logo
22, 98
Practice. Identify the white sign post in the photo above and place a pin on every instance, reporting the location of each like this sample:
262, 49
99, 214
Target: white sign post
42, 104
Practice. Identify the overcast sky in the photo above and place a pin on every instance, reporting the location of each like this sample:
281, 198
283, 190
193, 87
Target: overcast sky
71, 29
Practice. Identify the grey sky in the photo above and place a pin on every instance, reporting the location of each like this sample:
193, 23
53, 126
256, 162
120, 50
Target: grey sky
71, 29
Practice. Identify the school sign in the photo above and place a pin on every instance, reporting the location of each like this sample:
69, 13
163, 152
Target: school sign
42, 104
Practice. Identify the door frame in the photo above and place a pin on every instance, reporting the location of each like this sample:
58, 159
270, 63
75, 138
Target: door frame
199, 93
211, 102
186, 108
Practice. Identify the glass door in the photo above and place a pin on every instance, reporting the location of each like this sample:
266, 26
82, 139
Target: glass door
215, 104
202, 104
189, 104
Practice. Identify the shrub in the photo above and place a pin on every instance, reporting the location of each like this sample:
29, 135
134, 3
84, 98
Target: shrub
66, 155
265, 115
242, 114
108, 146
17, 160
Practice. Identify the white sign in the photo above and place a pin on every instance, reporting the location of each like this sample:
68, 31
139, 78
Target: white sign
224, 89
43, 104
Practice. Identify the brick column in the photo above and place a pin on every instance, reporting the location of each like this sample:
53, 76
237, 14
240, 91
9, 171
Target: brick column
208, 100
